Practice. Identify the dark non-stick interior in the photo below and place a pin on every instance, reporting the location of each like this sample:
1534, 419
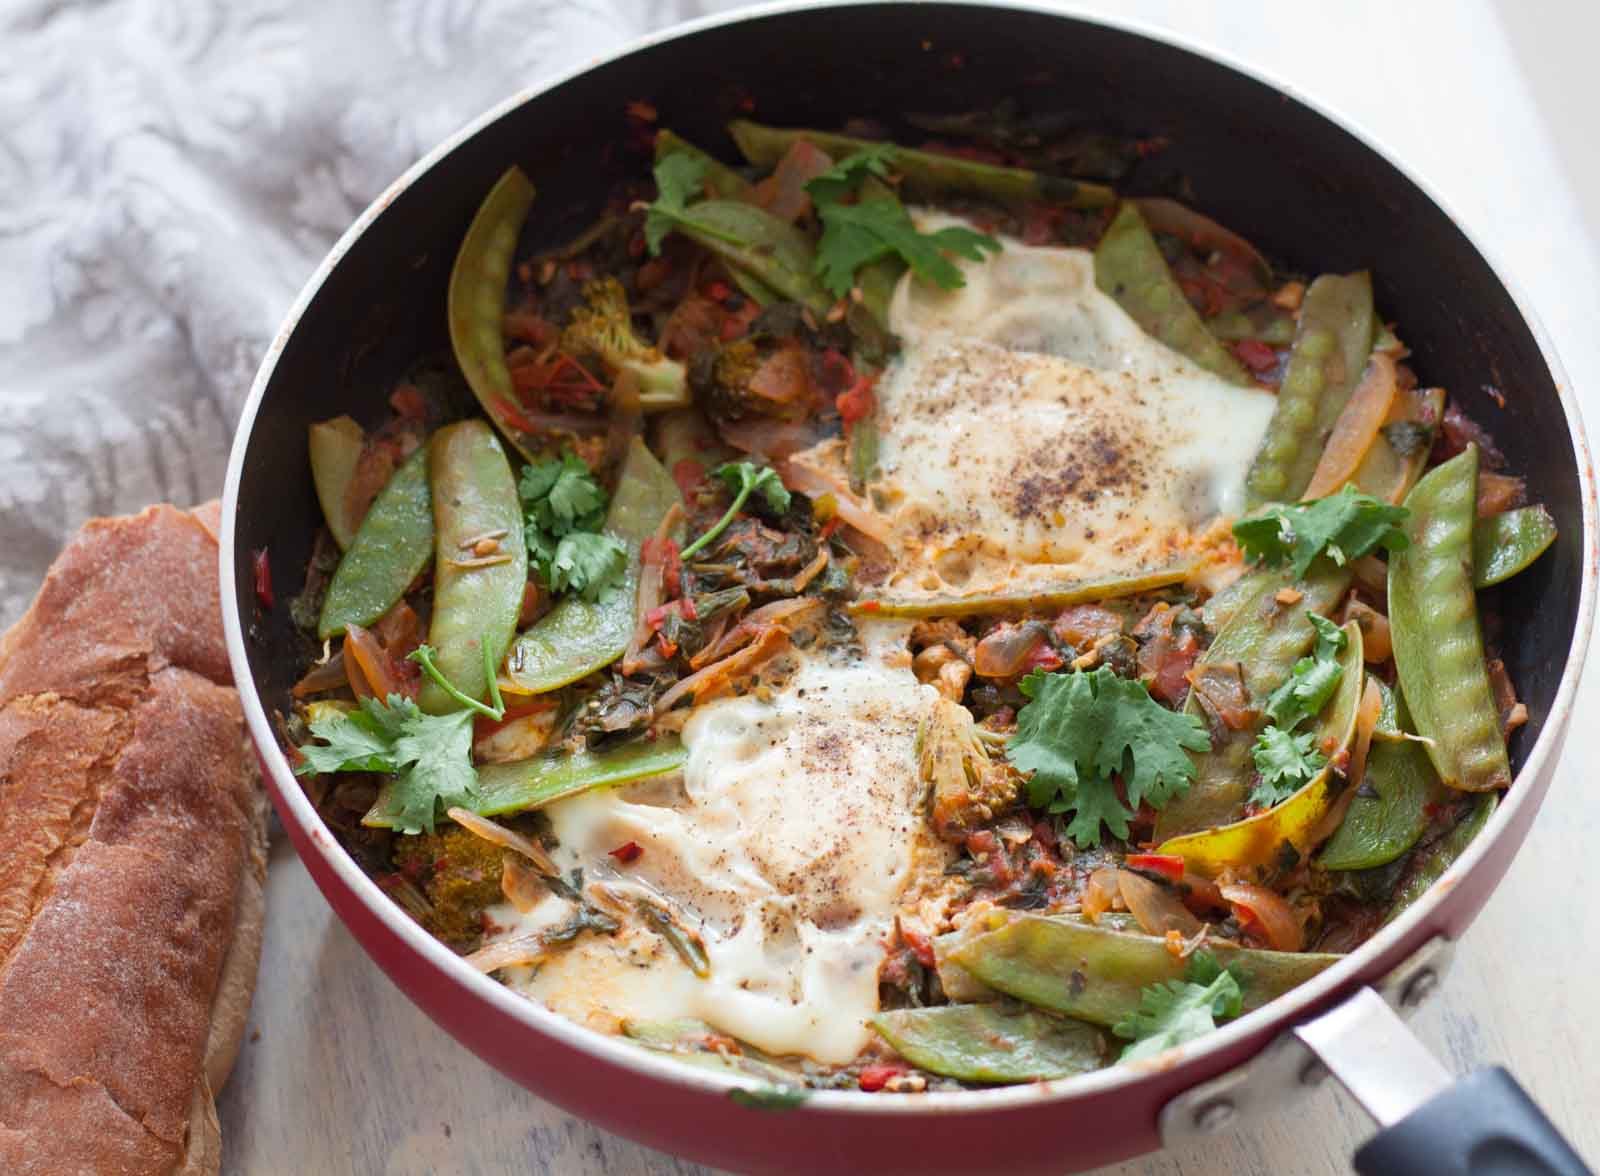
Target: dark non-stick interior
1310, 195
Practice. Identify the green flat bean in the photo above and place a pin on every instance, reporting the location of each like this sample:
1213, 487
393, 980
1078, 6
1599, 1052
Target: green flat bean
476, 302
991, 1043
1505, 544
1433, 860
335, 450
721, 179
1382, 825
1011, 600
1264, 321
927, 174
474, 496
1266, 639
1129, 267
525, 785
579, 636
389, 550
1330, 351
1097, 975
774, 252
1433, 620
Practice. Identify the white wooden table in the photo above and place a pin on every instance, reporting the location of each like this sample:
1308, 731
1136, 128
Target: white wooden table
342, 1074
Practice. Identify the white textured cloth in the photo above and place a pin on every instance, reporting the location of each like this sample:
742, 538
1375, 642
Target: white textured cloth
171, 171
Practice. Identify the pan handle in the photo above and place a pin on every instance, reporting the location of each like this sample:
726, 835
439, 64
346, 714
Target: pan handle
1483, 1125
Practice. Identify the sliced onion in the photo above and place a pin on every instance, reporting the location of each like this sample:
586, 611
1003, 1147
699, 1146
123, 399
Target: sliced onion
1266, 914
1377, 644
1004, 651
768, 437
854, 513
717, 676
1157, 908
497, 834
523, 888
374, 671
509, 953
1498, 493
319, 679
1357, 427
1100, 893
1220, 687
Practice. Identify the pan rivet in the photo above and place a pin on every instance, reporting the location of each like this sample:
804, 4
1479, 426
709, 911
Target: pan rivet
1215, 1115
1419, 988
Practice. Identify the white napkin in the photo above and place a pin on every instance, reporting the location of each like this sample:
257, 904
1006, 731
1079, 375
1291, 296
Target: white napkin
171, 171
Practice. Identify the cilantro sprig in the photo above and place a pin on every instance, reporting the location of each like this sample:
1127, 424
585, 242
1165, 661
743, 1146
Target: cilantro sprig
429, 756
877, 226
1083, 730
1175, 1011
1285, 761
679, 179
564, 510
1345, 525
743, 479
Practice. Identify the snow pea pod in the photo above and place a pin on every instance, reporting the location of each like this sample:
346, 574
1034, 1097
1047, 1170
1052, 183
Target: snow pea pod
992, 1043
1097, 975
476, 594
1291, 829
1129, 267
1433, 619
1011, 600
389, 550
476, 303
926, 174
1505, 544
1265, 638
753, 241
335, 451
580, 636
688, 1040
1390, 812
1330, 351
1433, 860
721, 179
529, 784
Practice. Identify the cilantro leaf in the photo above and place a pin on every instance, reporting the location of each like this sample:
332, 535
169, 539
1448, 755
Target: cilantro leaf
430, 756
1081, 730
1313, 680
565, 509
854, 235
679, 177
435, 757
561, 495
1345, 525
1175, 1011
844, 177
743, 478
587, 564
1286, 762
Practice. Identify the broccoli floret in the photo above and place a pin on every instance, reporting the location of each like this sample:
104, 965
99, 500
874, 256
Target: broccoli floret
756, 376
604, 328
459, 873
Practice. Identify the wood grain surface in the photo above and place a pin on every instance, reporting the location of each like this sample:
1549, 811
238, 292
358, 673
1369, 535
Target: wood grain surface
342, 1074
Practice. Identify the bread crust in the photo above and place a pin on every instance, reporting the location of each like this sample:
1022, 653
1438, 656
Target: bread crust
132, 858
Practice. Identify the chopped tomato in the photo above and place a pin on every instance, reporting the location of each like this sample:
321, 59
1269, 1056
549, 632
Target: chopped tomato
1046, 658
1166, 865
857, 402
629, 853
263, 577
835, 373
877, 1077
689, 474
1256, 355
918, 944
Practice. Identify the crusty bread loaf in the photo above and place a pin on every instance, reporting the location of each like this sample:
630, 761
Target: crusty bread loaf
132, 857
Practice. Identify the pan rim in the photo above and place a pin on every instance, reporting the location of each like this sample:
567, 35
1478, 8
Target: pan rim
1286, 1010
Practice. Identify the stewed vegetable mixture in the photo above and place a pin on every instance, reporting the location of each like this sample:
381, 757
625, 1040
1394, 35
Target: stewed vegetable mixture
886, 617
